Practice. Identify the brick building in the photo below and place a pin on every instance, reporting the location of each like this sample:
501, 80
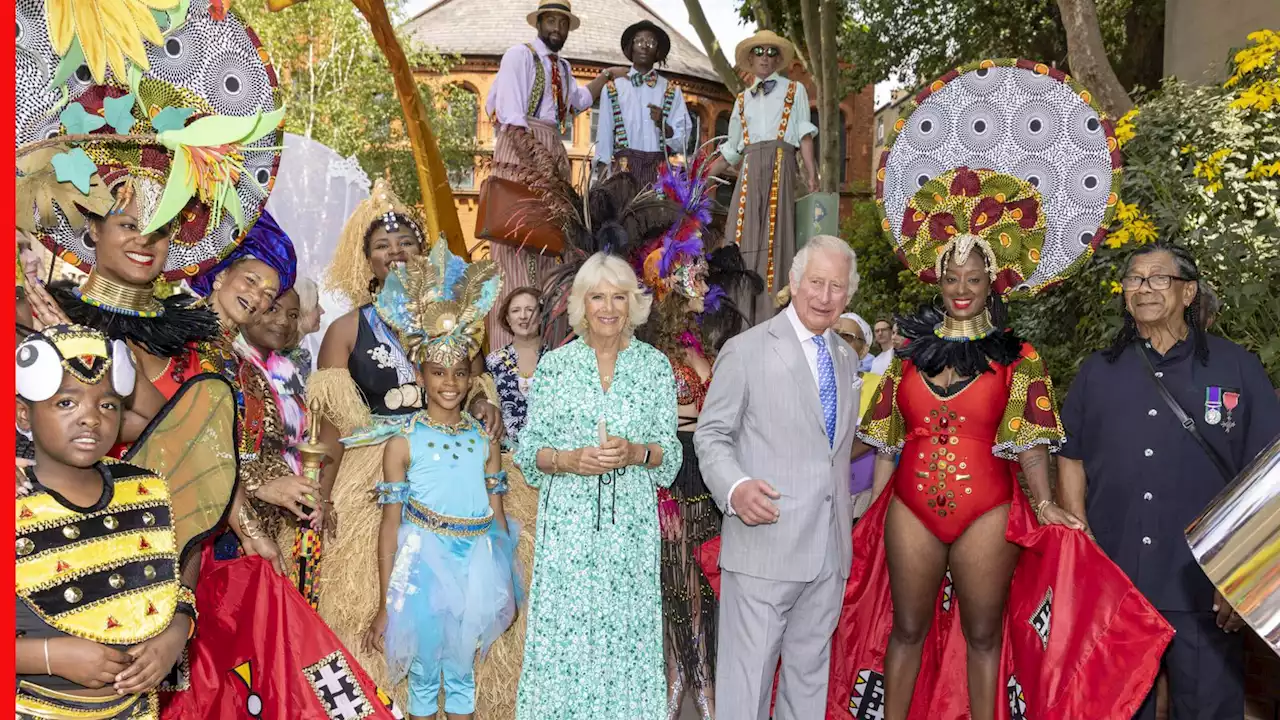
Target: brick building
480, 31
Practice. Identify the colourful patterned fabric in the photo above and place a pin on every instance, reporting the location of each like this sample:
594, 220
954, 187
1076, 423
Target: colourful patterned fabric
1026, 124
1001, 210
883, 427
1031, 417
513, 394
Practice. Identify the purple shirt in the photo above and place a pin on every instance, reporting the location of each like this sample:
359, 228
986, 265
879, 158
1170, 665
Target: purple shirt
509, 97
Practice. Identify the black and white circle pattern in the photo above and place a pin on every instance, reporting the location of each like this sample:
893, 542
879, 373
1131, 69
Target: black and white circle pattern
215, 60
1022, 123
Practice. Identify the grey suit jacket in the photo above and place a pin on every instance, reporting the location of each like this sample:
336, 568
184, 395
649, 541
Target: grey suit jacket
762, 419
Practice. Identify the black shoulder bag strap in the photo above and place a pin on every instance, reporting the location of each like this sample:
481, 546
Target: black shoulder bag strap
1186, 420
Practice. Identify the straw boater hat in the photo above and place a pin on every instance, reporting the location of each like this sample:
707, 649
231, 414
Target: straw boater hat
561, 7
766, 38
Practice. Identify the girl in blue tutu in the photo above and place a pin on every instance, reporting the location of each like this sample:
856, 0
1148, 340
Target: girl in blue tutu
445, 548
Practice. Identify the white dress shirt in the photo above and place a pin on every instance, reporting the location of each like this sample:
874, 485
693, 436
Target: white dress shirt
509, 97
881, 364
642, 133
764, 115
810, 348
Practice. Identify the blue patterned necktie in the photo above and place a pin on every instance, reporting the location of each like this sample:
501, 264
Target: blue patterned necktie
826, 388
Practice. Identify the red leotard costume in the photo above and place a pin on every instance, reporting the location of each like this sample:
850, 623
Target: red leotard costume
1080, 640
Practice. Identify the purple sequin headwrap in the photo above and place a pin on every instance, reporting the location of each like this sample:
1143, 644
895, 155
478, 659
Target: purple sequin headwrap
265, 241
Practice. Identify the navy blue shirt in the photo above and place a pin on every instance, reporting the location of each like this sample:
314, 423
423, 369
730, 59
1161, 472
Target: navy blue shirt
1147, 477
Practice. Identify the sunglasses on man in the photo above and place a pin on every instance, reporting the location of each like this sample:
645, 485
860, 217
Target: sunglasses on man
762, 51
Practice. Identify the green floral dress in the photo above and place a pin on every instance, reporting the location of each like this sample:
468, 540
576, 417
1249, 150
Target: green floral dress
594, 644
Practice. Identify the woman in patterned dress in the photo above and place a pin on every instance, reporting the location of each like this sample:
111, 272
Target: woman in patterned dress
513, 365
600, 439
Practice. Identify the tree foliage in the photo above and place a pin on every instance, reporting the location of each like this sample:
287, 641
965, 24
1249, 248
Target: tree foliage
922, 39
338, 90
1202, 169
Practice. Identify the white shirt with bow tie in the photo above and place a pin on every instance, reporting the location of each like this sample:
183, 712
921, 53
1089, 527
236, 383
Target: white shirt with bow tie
764, 115
642, 132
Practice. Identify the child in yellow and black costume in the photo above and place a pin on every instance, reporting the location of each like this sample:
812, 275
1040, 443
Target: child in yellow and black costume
105, 600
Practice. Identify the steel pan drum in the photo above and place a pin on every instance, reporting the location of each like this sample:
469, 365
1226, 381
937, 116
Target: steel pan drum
1237, 542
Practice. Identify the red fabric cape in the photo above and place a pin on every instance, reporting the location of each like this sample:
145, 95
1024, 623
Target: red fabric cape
1080, 640
260, 651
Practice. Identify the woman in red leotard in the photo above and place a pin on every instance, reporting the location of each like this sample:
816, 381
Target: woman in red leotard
966, 599
965, 399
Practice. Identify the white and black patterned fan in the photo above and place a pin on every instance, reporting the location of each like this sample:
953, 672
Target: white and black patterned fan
1022, 119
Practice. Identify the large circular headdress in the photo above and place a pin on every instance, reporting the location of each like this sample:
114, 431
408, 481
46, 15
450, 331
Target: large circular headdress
206, 64
1008, 155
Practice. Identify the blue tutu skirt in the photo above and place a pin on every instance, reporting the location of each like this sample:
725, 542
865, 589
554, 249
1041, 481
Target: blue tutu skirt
449, 597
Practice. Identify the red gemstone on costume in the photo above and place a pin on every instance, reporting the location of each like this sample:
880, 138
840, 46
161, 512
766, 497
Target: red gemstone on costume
143, 544
26, 513
151, 609
62, 567
142, 490
112, 623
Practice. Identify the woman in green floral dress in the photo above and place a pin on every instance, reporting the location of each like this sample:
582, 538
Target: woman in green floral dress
594, 644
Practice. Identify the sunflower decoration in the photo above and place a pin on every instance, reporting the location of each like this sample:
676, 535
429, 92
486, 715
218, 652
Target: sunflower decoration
106, 33
438, 302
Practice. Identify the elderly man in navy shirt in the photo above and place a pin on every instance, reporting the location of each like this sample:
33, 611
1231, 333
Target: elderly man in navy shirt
1139, 476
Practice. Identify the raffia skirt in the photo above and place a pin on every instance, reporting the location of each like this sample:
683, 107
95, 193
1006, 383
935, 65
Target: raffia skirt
499, 673
688, 602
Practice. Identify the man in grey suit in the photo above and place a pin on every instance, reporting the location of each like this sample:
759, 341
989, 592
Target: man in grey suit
773, 441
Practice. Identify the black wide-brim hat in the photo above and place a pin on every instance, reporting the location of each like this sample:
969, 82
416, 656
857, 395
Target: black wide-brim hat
664, 40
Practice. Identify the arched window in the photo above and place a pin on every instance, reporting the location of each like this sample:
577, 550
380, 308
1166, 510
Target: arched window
595, 121
695, 130
722, 123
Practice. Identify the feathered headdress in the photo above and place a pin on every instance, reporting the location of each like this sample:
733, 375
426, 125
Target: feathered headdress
677, 261
438, 302
350, 272
620, 216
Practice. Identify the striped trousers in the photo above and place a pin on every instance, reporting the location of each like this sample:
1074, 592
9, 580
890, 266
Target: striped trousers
522, 267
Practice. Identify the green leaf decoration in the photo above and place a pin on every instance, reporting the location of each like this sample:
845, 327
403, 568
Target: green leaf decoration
178, 16
231, 203
223, 130
74, 167
135, 79
162, 19
119, 113
178, 190
78, 121
171, 118
68, 64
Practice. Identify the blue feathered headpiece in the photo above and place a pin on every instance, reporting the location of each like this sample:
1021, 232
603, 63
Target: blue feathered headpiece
265, 241
438, 303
